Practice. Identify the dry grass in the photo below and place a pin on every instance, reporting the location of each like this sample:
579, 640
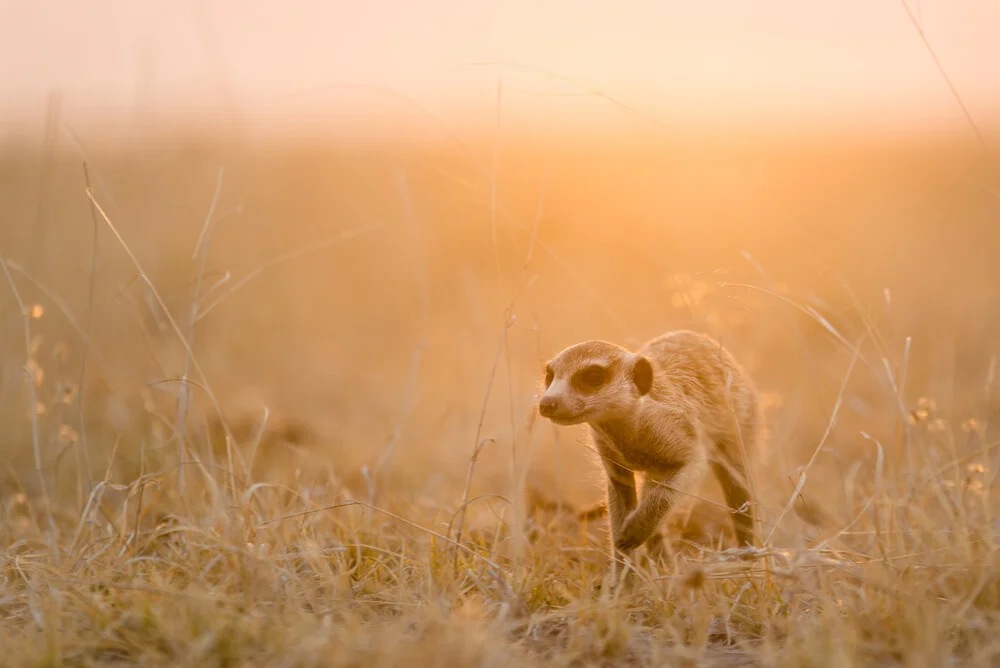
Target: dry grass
319, 519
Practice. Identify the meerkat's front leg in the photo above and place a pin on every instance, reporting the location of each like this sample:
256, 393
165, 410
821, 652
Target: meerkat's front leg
621, 496
660, 491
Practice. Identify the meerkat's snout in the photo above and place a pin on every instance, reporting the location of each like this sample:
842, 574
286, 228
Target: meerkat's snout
548, 406
558, 408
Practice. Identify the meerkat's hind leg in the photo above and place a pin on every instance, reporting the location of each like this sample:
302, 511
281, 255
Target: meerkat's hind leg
732, 477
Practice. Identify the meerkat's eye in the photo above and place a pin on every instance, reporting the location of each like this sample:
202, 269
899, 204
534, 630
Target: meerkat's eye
549, 376
593, 376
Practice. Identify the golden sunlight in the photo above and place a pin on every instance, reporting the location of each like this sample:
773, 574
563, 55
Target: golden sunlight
526, 333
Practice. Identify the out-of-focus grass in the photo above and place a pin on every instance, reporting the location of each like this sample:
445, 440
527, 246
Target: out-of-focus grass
357, 375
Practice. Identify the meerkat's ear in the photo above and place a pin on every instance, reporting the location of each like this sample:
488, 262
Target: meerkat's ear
642, 375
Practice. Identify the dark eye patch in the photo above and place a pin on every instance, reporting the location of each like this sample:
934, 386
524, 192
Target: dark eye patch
591, 378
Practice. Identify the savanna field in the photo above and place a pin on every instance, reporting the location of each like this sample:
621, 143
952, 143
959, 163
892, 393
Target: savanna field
275, 402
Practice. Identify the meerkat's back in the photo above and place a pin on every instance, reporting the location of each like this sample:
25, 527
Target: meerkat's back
697, 371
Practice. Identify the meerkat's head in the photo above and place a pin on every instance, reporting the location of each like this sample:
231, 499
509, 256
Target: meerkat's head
594, 381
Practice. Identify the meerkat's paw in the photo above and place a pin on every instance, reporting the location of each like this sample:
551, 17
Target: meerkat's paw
633, 534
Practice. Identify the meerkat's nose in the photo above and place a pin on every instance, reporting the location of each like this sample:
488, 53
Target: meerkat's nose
547, 406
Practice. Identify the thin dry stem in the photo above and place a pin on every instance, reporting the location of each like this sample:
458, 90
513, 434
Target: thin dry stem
36, 446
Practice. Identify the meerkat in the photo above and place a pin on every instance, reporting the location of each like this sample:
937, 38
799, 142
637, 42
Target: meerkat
679, 406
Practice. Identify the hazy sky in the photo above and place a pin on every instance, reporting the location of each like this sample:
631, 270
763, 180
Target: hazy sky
786, 60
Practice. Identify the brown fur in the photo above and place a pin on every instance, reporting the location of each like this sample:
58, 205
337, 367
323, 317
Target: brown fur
672, 410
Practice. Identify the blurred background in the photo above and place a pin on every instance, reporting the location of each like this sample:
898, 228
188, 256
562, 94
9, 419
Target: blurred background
387, 216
